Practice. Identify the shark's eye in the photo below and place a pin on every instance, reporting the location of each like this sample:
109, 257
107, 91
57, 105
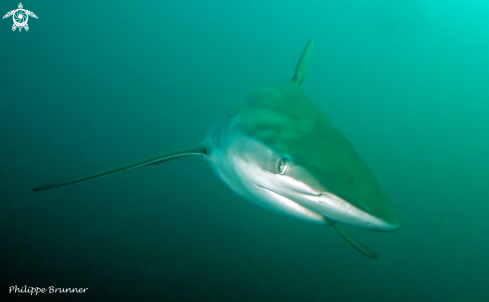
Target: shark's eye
282, 166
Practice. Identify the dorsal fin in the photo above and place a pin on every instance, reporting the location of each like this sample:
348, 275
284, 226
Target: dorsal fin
301, 69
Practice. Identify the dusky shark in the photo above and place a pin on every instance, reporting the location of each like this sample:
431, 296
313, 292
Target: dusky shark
278, 150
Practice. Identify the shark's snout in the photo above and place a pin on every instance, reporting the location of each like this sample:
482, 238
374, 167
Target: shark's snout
332, 207
340, 210
336, 209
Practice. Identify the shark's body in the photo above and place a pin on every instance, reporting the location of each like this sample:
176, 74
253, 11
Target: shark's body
280, 151
281, 123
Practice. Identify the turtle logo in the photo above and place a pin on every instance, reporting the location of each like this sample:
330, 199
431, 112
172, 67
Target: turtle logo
20, 17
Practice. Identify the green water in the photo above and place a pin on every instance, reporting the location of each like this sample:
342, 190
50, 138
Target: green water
95, 85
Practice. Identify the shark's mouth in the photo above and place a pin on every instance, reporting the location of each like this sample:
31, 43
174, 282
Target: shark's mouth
277, 202
272, 191
335, 209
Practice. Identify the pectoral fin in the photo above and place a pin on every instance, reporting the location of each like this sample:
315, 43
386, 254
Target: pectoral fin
362, 248
194, 150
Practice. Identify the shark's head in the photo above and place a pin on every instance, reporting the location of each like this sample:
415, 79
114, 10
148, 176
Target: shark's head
272, 156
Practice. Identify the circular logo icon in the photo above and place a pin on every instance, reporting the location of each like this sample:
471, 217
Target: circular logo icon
20, 18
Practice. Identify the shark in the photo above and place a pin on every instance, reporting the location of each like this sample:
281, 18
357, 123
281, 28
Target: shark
278, 150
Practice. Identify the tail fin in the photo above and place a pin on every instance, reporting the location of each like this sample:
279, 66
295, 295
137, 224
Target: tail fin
194, 150
301, 69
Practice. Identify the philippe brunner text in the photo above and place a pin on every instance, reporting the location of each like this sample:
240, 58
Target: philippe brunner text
41, 290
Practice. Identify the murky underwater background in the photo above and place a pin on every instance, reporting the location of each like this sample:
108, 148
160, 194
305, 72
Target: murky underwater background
95, 85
